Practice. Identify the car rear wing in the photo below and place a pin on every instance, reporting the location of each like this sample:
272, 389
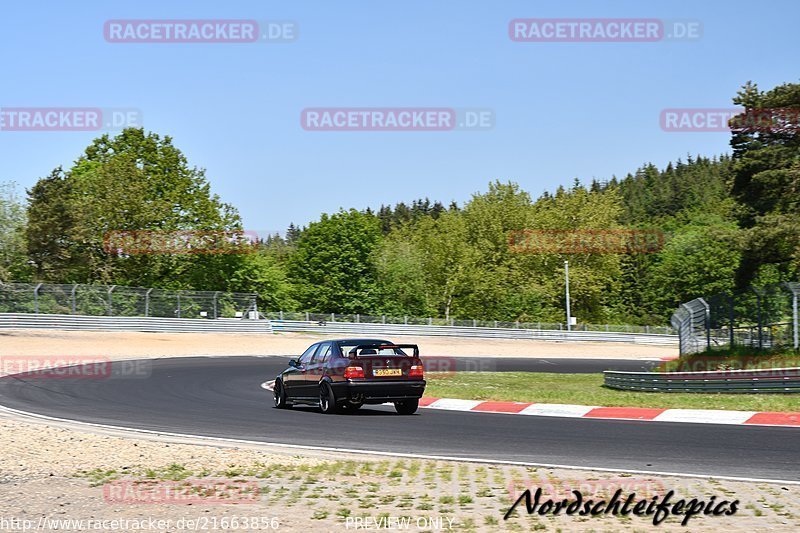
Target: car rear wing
353, 352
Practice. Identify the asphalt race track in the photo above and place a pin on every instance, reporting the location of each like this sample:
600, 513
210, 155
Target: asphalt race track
563, 366
222, 397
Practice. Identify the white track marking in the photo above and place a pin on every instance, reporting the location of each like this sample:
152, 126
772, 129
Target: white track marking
704, 416
454, 405
557, 409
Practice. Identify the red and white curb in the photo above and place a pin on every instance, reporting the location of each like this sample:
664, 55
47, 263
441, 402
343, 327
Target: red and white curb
694, 416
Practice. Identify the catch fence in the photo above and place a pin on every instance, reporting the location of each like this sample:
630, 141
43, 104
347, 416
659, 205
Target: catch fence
757, 317
118, 300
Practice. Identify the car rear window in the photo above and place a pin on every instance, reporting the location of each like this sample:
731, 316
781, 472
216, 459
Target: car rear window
383, 352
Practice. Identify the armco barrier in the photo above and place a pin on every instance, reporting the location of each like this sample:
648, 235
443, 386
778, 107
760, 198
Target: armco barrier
125, 323
373, 329
222, 325
773, 380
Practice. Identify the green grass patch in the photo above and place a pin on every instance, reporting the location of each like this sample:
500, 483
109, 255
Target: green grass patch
588, 389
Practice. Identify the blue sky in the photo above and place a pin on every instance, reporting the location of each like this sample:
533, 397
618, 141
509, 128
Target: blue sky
562, 110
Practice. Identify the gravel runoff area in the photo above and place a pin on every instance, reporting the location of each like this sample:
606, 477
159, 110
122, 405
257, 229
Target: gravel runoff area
52, 475
131, 344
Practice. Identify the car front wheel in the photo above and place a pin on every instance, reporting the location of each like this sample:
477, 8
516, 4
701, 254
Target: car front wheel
407, 407
279, 395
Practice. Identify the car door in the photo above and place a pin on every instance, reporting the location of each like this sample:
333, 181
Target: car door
294, 377
315, 368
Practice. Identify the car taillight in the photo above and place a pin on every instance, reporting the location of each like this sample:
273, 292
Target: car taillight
416, 371
353, 372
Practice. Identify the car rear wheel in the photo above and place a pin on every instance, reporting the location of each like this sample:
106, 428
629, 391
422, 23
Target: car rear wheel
279, 394
407, 407
327, 401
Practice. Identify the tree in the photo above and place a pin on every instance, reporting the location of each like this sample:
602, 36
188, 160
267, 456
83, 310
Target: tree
402, 286
594, 275
333, 267
136, 181
13, 257
767, 179
447, 261
292, 234
262, 274
699, 260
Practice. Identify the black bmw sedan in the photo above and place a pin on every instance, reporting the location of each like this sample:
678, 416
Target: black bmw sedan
345, 374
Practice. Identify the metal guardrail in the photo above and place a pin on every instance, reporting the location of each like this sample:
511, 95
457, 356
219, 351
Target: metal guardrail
352, 328
303, 316
124, 323
773, 380
223, 325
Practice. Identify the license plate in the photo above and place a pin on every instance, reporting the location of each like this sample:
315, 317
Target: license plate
387, 372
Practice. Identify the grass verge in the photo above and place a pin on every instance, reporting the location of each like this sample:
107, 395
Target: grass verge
588, 389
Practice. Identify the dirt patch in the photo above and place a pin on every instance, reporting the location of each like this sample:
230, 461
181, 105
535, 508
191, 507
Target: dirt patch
131, 344
51, 475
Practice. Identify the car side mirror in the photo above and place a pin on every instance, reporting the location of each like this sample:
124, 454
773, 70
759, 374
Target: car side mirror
294, 363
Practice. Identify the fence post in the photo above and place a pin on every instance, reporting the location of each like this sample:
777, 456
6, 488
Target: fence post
706, 321
36, 298
147, 302
405, 319
758, 307
280, 314
216, 293
333, 317
74, 306
731, 319
430, 321
383, 319
179, 304
794, 318
358, 318
306, 316
110, 301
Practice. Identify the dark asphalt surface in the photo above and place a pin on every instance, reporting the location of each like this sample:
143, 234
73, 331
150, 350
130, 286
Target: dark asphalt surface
222, 397
525, 364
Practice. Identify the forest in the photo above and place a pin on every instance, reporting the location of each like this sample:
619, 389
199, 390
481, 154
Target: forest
728, 221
